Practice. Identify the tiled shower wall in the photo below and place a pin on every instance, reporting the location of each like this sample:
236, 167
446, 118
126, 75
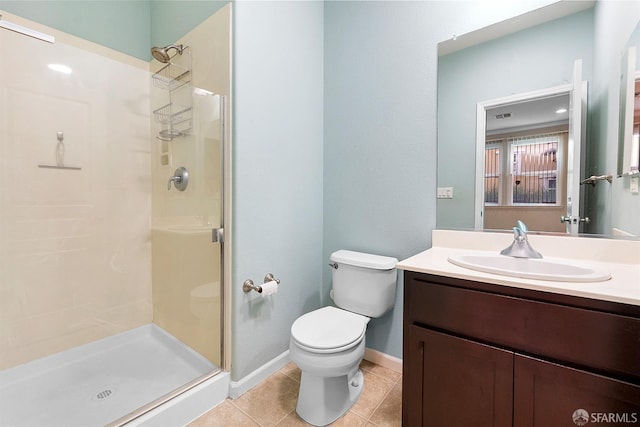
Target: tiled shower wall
75, 254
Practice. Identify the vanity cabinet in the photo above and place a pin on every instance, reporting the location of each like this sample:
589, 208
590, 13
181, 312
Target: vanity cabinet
479, 354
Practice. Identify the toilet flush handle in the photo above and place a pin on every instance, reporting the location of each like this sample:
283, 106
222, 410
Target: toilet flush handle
333, 265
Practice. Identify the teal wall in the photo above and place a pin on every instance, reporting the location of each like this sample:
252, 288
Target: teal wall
121, 25
129, 26
170, 20
277, 172
536, 58
379, 149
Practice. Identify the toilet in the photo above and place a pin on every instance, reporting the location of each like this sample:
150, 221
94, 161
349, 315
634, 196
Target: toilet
328, 344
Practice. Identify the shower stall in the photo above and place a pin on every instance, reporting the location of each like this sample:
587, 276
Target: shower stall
112, 196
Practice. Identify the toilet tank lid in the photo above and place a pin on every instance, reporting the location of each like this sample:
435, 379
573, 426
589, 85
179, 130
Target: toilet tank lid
361, 259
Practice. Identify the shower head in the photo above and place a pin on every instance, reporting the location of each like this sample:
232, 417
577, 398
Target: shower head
162, 53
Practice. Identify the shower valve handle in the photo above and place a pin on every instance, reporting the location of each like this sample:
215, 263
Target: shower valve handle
180, 179
175, 179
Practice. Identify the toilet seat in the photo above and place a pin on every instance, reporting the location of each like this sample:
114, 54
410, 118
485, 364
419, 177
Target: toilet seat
329, 330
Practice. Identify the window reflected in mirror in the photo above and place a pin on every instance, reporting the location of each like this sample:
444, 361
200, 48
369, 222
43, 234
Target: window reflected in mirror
525, 167
533, 170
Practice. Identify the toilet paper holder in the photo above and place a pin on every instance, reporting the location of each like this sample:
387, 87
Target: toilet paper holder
248, 285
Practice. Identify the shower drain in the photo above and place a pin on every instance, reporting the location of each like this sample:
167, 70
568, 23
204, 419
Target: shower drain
103, 394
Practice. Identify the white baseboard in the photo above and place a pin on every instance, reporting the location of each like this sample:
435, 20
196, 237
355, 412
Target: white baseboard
238, 388
383, 359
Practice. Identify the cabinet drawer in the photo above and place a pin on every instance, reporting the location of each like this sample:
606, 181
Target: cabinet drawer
603, 341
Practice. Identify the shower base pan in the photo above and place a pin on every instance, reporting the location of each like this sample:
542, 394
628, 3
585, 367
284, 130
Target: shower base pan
97, 383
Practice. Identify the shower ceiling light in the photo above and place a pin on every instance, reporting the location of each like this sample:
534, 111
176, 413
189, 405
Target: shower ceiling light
60, 68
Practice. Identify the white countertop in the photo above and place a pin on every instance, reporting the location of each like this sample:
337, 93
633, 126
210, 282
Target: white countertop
623, 287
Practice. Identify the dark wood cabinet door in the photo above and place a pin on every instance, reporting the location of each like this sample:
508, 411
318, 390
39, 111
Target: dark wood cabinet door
455, 382
547, 394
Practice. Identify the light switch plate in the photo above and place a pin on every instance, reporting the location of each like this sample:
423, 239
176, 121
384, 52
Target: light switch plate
633, 184
444, 193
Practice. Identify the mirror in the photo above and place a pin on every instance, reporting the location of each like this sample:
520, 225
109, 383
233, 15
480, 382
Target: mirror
539, 57
625, 218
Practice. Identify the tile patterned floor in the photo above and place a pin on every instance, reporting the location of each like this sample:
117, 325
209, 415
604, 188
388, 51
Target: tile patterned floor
273, 402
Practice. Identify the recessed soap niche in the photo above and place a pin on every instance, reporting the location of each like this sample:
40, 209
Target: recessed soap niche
165, 154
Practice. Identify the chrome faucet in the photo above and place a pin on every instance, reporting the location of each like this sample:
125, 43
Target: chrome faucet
520, 247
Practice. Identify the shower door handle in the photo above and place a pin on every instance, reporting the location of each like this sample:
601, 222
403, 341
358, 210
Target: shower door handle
217, 235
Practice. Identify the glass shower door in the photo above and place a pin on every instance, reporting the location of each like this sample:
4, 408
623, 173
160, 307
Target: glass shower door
186, 256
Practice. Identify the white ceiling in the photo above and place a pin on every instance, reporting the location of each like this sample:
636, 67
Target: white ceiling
529, 114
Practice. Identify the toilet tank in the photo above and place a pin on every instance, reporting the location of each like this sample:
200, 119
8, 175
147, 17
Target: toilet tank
363, 283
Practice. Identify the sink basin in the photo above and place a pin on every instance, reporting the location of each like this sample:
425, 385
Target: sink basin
528, 268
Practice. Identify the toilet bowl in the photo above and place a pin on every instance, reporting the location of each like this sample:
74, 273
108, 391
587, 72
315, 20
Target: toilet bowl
328, 344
